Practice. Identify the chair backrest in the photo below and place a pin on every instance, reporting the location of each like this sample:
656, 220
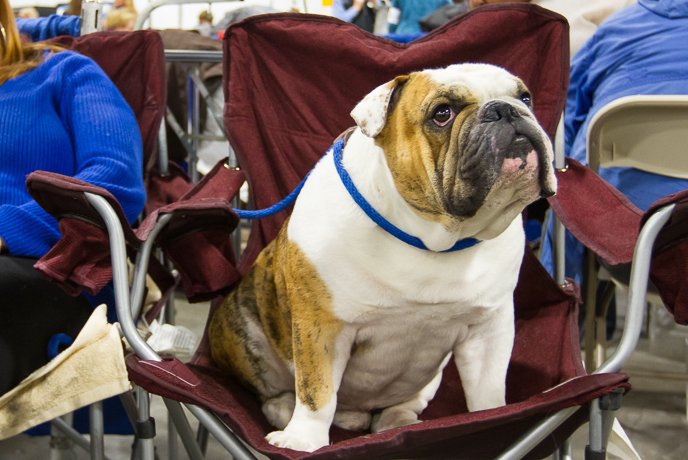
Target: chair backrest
291, 81
647, 132
135, 62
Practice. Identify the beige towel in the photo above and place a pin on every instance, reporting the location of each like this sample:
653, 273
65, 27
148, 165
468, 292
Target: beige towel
90, 370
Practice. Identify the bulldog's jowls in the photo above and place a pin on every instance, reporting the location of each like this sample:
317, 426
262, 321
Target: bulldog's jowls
340, 319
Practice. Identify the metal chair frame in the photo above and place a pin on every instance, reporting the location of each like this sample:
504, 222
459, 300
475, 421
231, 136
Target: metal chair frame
601, 415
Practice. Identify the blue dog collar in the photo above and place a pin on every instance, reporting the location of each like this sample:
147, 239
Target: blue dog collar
383, 223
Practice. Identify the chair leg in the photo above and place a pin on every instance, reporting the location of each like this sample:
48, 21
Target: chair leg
144, 447
61, 446
601, 310
172, 444
590, 297
182, 427
564, 452
601, 420
202, 438
97, 430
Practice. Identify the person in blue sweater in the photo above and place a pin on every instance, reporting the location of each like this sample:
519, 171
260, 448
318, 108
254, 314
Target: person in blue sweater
38, 29
58, 112
639, 50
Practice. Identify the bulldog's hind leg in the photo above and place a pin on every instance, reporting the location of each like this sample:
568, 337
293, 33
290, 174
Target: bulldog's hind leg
320, 359
321, 345
407, 412
278, 410
352, 420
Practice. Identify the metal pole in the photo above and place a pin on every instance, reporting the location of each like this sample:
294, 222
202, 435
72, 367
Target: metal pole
91, 16
97, 430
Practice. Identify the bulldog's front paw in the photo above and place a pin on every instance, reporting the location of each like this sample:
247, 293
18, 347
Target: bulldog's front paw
305, 443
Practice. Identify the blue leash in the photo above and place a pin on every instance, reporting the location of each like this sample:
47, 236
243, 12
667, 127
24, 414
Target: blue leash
362, 203
275, 208
377, 218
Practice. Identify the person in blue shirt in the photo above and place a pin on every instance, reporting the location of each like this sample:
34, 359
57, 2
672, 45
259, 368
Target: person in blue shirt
642, 49
411, 12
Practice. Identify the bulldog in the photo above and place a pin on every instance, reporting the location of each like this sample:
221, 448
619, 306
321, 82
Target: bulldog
402, 252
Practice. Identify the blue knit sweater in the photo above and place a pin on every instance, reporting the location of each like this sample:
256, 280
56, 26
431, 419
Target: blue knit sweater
67, 117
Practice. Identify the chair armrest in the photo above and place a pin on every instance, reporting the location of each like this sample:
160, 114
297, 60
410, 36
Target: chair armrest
80, 260
596, 213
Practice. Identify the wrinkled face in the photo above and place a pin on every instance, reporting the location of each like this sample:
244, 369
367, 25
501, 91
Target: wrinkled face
460, 141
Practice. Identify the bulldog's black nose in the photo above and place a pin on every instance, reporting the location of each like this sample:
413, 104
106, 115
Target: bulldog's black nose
498, 110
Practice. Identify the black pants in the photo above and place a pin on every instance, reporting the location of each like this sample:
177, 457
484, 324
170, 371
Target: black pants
32, 310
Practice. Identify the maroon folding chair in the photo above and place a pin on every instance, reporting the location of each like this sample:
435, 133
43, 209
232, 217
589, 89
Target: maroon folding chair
134, 63
87, 258
309, 71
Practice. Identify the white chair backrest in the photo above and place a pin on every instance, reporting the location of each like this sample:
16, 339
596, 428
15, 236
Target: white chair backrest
647, 132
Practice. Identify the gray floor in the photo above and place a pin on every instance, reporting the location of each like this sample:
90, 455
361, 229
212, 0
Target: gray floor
653, 414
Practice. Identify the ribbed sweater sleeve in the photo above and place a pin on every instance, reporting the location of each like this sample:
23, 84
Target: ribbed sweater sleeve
48, 27
67, 117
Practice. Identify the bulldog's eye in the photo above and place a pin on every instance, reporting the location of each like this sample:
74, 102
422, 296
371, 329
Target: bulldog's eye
525, 98
442, 115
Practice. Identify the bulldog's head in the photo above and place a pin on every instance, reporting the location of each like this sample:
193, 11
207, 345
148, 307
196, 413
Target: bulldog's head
462, 144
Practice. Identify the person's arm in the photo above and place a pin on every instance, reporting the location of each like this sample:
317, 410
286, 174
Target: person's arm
347, 14
107, 153
108, 146
52, 26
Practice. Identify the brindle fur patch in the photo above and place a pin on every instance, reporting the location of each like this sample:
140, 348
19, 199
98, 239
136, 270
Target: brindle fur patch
285, 296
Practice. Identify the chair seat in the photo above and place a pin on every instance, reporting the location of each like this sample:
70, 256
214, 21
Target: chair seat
447, 428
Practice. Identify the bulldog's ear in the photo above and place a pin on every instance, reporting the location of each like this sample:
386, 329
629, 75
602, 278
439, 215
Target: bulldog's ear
371, 113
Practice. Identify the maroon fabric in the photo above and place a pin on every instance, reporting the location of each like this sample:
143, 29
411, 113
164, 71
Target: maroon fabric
291, 81
606, 222
545, 374
200, 226
80, 260
162, 190
601, 217
669, 269
457, 435
201, 223
135, 62
63, 196
198, 240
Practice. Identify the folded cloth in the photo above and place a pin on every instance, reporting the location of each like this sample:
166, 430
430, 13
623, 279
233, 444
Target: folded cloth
90, 370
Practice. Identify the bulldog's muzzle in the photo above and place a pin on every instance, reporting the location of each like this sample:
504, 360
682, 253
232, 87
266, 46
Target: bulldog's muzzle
517, 134
503, 131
